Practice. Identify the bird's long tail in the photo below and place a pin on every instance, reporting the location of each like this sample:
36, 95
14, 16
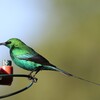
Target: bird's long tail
71, 75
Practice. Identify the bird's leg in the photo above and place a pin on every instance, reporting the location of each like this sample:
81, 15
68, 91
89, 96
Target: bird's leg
37, 70
34, 78
30, 74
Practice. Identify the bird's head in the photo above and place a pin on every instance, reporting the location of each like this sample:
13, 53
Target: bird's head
13, 42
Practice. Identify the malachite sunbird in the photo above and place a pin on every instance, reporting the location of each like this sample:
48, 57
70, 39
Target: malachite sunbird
28, 59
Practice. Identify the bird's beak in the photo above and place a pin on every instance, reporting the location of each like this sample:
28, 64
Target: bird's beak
4, 43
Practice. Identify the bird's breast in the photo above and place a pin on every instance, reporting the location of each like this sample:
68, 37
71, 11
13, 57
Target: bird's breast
27, 65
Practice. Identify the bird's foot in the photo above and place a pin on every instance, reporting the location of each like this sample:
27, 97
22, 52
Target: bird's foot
35, 79
32, 77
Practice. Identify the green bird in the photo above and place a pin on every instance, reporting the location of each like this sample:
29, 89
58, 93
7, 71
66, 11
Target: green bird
28, 59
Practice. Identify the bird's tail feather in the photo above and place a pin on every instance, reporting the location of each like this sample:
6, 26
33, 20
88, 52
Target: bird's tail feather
69, 74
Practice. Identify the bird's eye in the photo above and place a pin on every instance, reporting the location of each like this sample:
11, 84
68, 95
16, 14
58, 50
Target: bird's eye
8, 42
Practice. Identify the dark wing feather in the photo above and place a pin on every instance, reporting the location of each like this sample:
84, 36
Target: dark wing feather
35, 58
30, 55
39, 59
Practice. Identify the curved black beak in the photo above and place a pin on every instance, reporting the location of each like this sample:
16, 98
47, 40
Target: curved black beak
4, 43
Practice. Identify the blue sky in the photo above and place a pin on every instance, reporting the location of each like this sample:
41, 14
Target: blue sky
24, 19
20, 17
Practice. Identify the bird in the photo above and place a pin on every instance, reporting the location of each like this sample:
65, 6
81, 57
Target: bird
27, 58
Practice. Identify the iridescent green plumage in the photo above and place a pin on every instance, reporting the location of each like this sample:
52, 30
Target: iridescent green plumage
28, 59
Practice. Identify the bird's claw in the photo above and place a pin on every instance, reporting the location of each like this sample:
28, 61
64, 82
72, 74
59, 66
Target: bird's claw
35, 79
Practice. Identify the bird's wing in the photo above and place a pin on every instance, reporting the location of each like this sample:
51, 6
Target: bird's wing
35, 58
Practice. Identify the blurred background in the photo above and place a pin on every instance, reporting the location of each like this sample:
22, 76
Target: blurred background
67, 33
